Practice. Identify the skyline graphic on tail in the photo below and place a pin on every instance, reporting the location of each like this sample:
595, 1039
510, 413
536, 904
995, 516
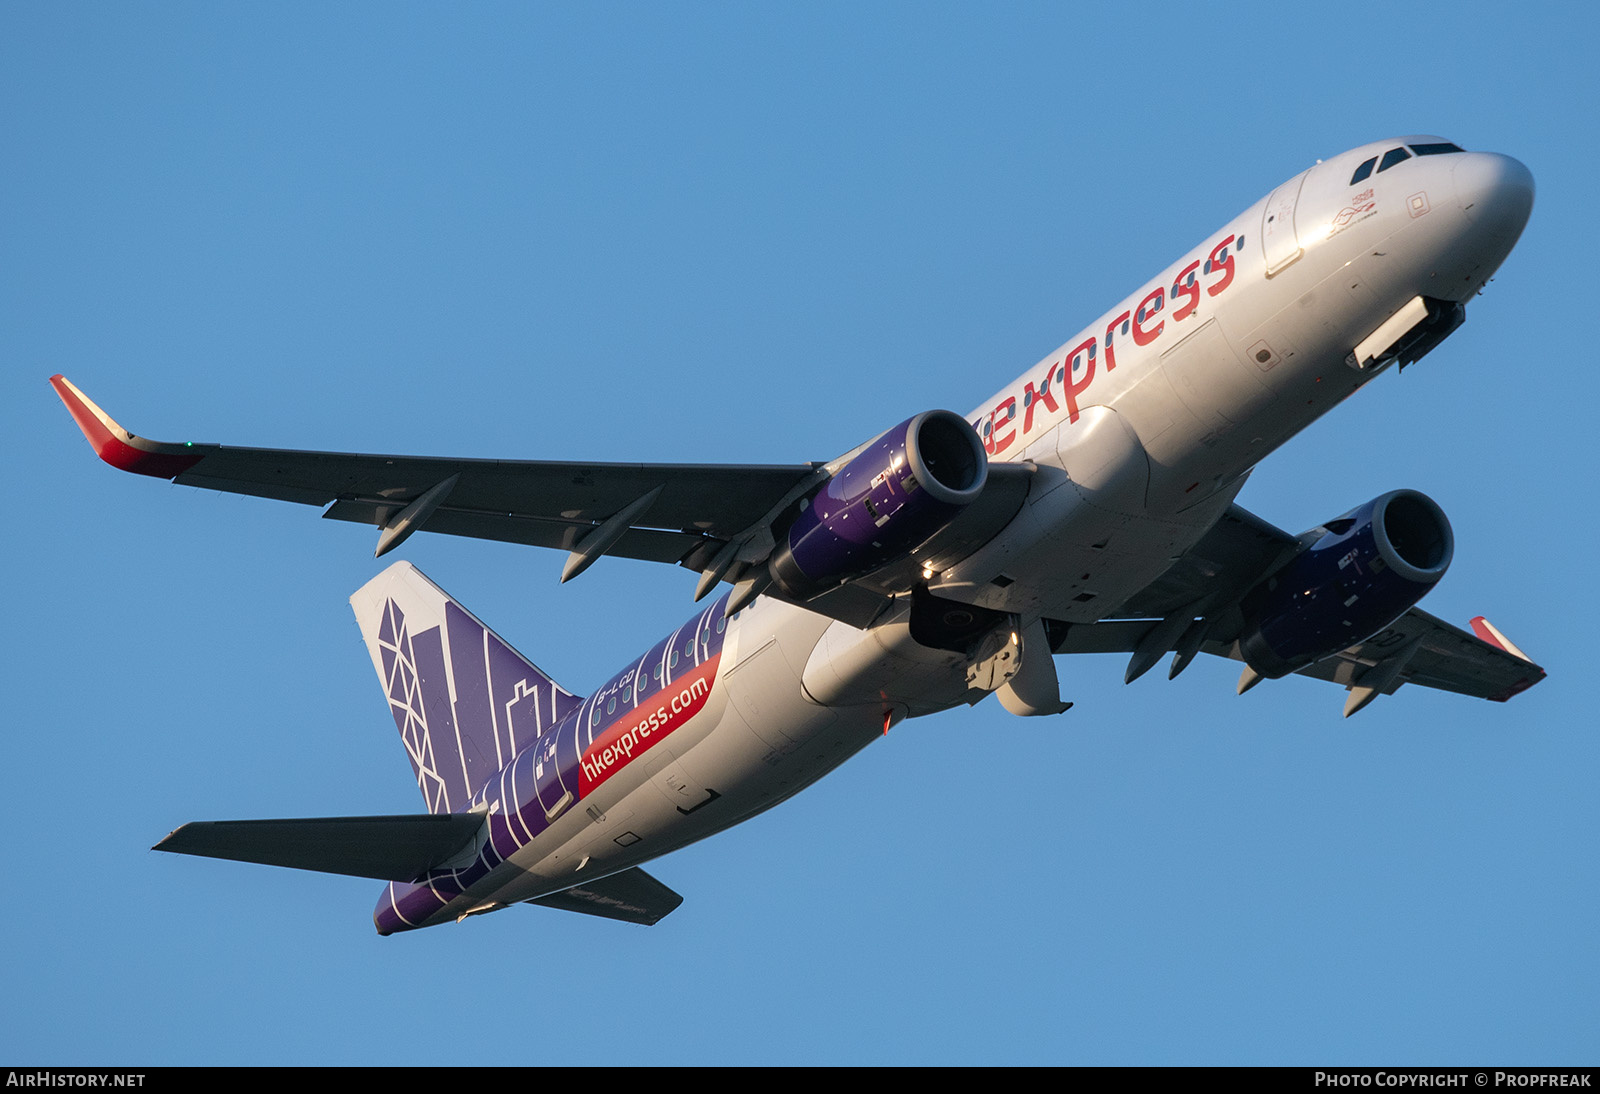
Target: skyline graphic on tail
463, 699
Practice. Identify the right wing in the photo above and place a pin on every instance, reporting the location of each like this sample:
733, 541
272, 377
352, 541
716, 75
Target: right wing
544, 504
714, 518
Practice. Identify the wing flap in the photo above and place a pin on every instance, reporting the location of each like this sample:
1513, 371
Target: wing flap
715, 499
389, 848
649, 544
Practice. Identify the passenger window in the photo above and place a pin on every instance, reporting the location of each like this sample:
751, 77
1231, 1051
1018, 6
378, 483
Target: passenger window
1363, 171
1392, 157
1436, 149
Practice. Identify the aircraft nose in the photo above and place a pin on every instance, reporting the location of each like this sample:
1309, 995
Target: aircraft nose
1495, 191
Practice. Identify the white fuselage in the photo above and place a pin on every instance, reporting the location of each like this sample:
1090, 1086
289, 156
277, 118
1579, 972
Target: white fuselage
1142, 428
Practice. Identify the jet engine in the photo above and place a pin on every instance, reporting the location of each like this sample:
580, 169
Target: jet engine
1365, 570
891, 497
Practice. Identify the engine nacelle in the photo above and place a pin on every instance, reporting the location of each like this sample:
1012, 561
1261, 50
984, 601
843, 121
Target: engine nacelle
893, 496
1366, 570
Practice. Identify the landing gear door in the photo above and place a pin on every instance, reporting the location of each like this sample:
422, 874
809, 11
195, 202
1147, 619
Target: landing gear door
1279, 243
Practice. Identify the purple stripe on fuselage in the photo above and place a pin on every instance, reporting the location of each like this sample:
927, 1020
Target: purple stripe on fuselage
541, 782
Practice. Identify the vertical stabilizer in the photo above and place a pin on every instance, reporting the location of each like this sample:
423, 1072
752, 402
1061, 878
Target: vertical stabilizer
464, 701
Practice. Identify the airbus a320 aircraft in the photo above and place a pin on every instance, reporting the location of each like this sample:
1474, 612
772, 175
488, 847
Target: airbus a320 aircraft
1086, 506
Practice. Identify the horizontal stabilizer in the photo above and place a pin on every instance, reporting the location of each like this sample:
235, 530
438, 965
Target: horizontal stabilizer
398, 848
632, 896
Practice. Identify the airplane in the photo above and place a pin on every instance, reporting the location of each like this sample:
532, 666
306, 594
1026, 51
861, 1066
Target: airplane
1088, 506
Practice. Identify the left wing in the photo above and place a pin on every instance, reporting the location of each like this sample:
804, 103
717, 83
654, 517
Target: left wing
715, 518
1417, 648
1193, 608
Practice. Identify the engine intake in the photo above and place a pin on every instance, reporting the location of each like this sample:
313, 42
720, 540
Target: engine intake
1368, 568
893, 496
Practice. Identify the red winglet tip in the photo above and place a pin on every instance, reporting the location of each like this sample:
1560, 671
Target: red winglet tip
1488, 632
115, 445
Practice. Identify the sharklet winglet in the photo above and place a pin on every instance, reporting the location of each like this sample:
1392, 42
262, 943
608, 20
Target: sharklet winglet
1491, 634
117, 446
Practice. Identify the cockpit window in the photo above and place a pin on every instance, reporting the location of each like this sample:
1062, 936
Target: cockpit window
1435, 149
1363, 171
1392, 157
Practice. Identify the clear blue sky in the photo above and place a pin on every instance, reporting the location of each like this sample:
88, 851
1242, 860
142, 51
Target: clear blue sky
761, 233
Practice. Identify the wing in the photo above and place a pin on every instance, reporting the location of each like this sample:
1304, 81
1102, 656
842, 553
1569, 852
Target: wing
715, 518
1444, 657
1193, 608
545, 504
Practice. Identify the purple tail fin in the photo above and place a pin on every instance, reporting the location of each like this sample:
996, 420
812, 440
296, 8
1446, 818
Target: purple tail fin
464, 701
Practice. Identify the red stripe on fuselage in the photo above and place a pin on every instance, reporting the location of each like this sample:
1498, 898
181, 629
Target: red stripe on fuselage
642, 728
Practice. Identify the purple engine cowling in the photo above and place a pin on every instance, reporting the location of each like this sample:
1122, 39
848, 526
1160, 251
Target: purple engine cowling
891, 498
1367, 569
